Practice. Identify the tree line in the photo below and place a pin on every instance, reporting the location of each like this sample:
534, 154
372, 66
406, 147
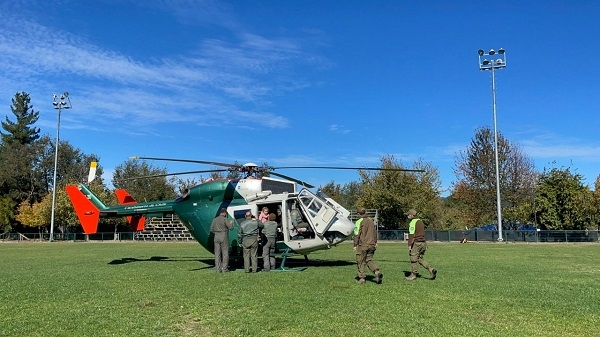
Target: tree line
555, 198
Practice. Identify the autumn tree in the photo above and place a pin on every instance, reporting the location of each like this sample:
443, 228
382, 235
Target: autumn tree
474, 192
32, 215
346, 195
393, 193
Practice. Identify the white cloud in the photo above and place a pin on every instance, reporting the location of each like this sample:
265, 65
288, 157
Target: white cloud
216, 83
339, 129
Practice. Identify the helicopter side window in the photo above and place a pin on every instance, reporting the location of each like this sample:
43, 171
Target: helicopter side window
315, 206
240, 215
305, 200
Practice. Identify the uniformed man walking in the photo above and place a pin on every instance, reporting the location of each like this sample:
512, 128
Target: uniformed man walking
365, 244
221, 226
248, 239
417, 246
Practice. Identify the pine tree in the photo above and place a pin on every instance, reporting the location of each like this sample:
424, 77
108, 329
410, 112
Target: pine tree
21, 131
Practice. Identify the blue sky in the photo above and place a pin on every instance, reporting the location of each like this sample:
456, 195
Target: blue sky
307, 82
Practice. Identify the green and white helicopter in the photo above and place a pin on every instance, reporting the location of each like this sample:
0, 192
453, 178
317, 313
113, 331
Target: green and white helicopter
307, 221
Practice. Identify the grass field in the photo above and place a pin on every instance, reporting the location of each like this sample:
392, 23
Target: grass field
170, 289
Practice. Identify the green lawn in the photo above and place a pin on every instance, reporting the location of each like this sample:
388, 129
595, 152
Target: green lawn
170, 289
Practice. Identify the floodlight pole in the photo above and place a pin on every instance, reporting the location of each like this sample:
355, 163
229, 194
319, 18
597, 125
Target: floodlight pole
59, 103
492, 65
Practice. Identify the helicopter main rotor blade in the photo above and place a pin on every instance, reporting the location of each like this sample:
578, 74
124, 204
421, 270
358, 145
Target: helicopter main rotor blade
303, 183
172, 174
347, 168
186, 161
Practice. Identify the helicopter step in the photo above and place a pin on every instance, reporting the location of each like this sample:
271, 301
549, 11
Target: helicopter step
284, 255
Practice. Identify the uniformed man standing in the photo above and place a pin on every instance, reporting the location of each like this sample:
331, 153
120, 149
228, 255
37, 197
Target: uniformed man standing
417, 246
357, 226
248, 239
270, 231
365, 244
221, 226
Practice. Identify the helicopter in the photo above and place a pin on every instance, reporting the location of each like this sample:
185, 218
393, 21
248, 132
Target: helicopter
307, 221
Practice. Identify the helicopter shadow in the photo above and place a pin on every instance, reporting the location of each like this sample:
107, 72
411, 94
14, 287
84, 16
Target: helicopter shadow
126, 260
238, 262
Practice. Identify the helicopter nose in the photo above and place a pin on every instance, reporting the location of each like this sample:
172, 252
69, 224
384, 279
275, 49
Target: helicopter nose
343, 226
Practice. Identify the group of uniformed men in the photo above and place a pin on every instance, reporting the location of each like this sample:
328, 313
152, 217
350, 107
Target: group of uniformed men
365, 243
249, 236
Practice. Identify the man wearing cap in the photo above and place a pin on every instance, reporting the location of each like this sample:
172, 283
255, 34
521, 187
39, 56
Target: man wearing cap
365, 244
417, 246
220, 226
248, 239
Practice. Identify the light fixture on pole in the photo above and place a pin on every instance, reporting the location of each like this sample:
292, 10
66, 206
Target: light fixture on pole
497, 61
59, 103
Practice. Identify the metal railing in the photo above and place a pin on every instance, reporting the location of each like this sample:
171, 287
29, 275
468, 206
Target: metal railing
384, 235
492, 235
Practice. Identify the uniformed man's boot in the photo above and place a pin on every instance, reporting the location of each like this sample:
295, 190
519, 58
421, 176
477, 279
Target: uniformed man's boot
411, 277
379, 275
361, 281
433, 273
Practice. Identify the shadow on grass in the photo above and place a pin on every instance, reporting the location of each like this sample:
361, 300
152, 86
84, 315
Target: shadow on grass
126, 260
237, 262
407, 273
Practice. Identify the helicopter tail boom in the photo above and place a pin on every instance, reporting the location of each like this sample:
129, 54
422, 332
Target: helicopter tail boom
90, 209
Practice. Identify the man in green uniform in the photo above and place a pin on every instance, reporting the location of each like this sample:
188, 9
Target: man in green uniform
417, 246
248, 239
221, 226
270, 231
365, 244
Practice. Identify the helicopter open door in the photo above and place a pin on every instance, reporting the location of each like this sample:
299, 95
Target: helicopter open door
318, 213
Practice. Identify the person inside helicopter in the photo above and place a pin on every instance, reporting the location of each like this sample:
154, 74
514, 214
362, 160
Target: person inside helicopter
299, 228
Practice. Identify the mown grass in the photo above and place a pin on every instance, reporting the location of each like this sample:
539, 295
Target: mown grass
170, 289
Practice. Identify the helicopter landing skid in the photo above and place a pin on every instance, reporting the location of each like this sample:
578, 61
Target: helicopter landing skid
284, 256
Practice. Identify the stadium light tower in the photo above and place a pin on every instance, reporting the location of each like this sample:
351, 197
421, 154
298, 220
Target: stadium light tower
491, 65
59, 103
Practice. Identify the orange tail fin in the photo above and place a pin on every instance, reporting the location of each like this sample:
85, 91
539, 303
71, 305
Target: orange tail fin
136, 222
86, 211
